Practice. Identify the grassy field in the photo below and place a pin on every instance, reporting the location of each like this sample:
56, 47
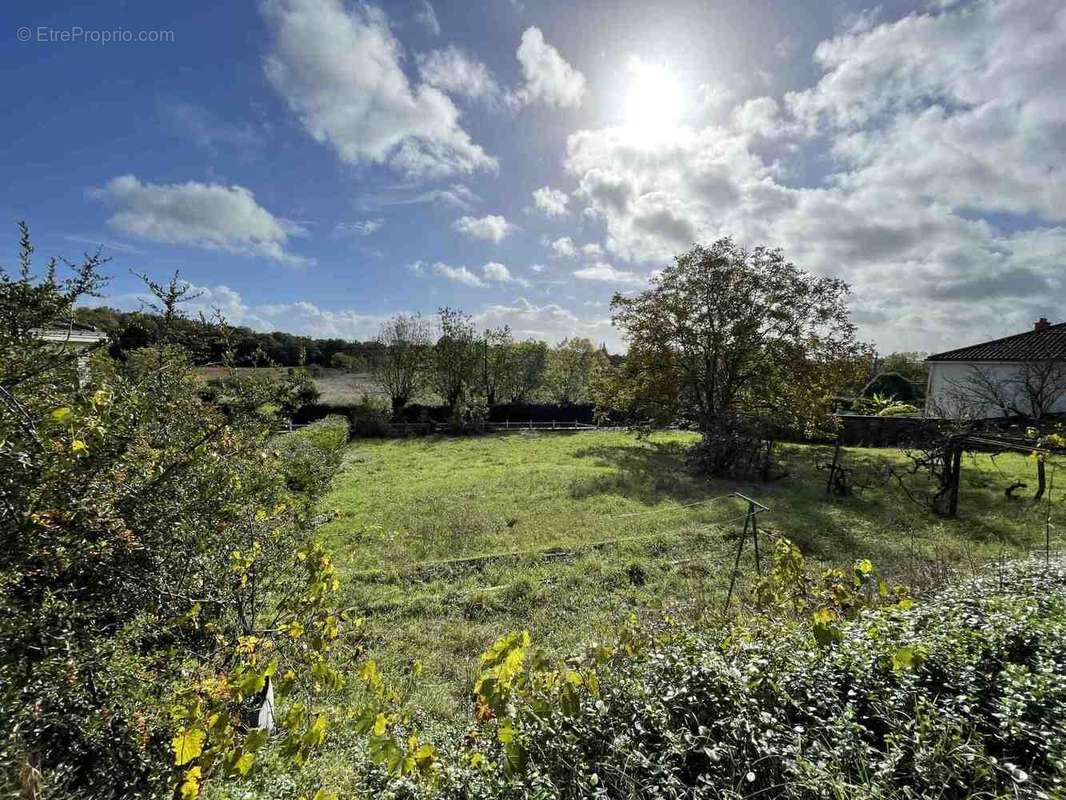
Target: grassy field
447, 543
335, 386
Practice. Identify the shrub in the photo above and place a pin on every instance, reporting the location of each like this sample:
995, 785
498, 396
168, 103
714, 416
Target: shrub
959, 697
309, 457
962, 696
160, 573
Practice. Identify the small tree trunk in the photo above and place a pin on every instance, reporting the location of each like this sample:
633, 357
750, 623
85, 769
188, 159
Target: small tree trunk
1041, 479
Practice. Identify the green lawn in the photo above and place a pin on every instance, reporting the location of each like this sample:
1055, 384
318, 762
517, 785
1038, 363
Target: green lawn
447, 543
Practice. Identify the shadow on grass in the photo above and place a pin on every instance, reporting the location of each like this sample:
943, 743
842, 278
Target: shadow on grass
648, 472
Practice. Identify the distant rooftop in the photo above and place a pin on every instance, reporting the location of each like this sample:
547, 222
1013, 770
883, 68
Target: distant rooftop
1046, 342
65, 330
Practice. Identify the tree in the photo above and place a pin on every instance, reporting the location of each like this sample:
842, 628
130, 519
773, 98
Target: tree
571, 365
741, 339
526, 367
910, 364
454, 361
400, 361
497, 352
349, 362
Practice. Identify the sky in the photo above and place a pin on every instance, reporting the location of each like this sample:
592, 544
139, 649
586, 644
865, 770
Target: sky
316, 166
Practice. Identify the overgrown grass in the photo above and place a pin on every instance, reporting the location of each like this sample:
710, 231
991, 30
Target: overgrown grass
445, 544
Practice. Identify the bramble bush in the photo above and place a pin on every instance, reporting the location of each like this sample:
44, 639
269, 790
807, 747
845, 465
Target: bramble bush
160, 573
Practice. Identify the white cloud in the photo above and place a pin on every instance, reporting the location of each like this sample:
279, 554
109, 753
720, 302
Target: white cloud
300, 317
492, 227
457, 195
454, 71
605, 273
935, 123
492, 272
459, 275
206, 215
363, 227
551, 201
428, 17
592, 250
564, 247
339, 69
549, 78
550, 322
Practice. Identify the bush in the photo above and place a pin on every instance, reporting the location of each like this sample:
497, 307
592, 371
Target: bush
962, 696
310, 456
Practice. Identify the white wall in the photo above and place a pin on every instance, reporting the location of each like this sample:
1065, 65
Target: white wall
947, 388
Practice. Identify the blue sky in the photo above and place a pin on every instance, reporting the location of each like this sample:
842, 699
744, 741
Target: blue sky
316, 165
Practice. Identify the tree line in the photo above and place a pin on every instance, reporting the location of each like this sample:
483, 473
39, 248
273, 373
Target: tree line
468, 368
206, 344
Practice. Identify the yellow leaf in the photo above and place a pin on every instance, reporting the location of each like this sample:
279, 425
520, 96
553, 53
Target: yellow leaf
296, 630
61, 414
187, 745
190, 788
78, 446
243, 764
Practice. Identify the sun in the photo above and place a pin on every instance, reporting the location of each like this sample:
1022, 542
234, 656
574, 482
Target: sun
654, 101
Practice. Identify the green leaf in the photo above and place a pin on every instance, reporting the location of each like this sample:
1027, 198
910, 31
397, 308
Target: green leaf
907, 658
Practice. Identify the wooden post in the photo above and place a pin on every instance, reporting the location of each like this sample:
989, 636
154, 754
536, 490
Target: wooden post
955, 460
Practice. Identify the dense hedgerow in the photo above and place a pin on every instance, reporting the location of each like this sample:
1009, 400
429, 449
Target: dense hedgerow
962, 696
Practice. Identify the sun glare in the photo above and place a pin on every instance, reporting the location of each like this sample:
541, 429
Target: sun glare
653, 101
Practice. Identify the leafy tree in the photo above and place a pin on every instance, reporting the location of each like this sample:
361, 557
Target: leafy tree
571, 365
454, 362
349, 362
401, 358
497, 352
910, 364
526, 367
739, 338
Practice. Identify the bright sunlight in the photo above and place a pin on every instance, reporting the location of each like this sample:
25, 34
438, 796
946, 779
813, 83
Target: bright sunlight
654, 102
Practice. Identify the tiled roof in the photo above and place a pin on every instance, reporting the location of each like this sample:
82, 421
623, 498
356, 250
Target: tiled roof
1036, 345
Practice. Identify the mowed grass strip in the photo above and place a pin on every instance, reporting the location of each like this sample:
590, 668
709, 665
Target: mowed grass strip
447, 543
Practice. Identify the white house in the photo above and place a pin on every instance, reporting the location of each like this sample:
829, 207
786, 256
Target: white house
1024, 374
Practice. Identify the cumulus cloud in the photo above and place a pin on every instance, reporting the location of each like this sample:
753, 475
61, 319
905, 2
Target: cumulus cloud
550, 322
492, 227
551, 201
564, 247
605, 273
548, 77
454, 71
491, 273
937, 124
207, 215
339, 69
